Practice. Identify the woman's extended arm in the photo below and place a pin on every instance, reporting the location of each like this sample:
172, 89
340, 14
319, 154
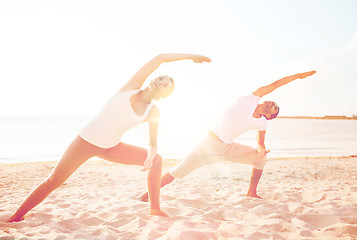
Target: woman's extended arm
153, 119
140, 76
260, 92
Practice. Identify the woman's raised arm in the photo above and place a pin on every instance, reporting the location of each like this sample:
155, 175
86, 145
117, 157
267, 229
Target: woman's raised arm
140, 76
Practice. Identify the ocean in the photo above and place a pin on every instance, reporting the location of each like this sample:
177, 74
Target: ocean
25, 139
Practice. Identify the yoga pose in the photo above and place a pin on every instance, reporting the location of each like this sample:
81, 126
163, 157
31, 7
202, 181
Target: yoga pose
128, 107
245, 114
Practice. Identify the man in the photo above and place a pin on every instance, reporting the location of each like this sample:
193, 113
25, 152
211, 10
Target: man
245, 114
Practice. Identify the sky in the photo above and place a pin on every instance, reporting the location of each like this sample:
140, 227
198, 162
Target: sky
67, 58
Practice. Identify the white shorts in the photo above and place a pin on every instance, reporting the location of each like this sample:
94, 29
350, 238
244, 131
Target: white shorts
211, 150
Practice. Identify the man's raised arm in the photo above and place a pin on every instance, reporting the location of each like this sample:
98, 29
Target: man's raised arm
262, 91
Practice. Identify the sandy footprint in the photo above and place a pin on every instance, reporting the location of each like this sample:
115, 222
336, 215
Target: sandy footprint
264, 209
92, 221
350, 219
274, 196
118, 223
64, 205
68, 226
137, 206
43, 217
135, 225
194, 235
249, 202
319, 220
306, 234
229, 227
106, 215
295, 197
313, 197
295, 207
345, 231
193, 202
214, 214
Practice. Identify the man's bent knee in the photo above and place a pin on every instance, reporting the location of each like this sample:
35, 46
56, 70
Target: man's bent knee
260, 163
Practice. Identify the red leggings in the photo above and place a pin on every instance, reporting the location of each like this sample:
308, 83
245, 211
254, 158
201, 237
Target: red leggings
78, 152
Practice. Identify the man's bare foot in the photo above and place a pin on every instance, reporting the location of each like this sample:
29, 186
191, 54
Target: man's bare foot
144, 197
157, 212
253, 195
13, 219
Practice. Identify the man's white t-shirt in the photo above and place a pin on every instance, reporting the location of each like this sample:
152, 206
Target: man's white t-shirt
239, 119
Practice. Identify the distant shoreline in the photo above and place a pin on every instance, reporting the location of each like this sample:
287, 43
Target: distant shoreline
8, 118
354, 117
175, 161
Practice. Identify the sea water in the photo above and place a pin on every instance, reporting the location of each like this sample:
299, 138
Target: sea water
46, 138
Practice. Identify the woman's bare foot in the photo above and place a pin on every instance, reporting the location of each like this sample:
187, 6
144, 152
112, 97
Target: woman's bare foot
144, 197
157, 212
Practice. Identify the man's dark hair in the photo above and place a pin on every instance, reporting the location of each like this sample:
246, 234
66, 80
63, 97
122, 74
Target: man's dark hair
272, 116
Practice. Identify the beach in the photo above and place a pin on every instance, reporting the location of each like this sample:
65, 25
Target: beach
303, 198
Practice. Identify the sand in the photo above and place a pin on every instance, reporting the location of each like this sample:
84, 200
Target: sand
303, 198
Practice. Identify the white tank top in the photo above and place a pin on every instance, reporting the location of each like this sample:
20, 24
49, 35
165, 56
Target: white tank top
238, 119
116, 117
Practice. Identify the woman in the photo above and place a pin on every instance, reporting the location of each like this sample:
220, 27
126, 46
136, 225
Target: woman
129, 107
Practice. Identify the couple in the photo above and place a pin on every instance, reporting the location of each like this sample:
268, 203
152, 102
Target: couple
132, 105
